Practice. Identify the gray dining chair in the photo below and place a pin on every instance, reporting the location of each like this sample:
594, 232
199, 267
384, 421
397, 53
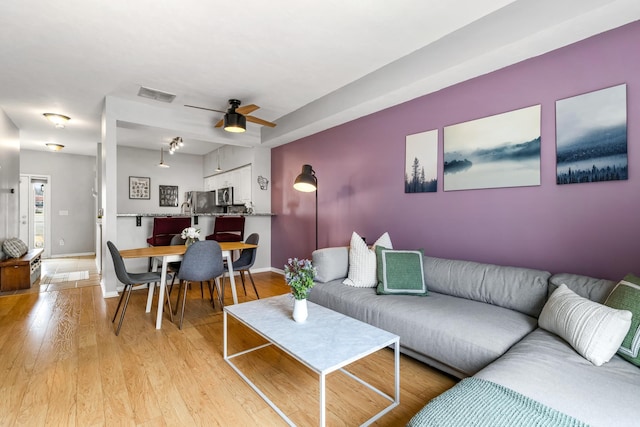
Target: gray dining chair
244, 262
130, 280
202, 262
174, 267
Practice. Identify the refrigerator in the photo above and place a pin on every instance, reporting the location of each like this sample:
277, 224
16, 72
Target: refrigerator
202, 202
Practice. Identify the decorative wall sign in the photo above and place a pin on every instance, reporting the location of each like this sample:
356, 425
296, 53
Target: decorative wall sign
591, 137
139, 187
493, 152
168, 195
421, 162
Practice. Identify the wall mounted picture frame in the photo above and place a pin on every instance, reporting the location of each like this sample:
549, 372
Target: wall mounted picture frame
421, 162
591, 137
139, 187
493, 152
168, 195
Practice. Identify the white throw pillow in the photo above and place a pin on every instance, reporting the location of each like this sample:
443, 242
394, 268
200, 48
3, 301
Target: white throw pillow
593, 330
362, 261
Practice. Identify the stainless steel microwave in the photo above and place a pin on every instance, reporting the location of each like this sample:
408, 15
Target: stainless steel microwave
224, 196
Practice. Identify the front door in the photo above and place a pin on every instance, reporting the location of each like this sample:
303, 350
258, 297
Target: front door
35, 222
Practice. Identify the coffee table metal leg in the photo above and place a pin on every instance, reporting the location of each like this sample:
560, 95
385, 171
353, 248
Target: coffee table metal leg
322, 397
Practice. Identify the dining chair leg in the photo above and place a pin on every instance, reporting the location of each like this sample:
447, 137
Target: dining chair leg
124, 291
178, 298
253, 283
128, 289
210, 287
184, 302
241, 273
167, 292
220, 287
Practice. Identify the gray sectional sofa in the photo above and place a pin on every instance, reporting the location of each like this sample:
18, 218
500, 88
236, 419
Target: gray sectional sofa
481, 321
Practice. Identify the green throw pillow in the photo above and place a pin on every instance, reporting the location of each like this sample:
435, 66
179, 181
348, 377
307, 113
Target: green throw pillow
400, 272
626, 296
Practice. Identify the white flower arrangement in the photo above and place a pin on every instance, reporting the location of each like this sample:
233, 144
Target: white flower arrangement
191, 233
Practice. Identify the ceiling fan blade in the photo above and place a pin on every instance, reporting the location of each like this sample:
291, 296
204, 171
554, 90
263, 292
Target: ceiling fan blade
260, 121
246, 109
219, 124
203, 108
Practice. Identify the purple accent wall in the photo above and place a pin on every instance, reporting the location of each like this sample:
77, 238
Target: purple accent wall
591, 229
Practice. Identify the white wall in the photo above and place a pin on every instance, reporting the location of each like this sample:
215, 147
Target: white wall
186, 172
72, 182
9, 179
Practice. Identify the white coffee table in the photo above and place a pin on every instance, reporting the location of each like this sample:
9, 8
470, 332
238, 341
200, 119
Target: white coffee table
326, 342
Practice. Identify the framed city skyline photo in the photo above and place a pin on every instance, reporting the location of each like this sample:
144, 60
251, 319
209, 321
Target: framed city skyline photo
139, 187
493, 152
168, 195
421, 162
591, 137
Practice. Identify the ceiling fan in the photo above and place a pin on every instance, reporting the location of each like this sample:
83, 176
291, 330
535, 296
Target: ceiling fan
236, 117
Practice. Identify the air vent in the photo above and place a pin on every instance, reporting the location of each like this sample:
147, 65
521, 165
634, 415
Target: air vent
158, 95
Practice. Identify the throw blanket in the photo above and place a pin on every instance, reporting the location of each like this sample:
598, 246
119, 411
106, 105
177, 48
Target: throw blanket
477, 402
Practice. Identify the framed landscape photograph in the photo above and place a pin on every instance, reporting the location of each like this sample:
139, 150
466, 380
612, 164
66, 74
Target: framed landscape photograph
168, 195
139, 187
493, 152
421, 162
591, 137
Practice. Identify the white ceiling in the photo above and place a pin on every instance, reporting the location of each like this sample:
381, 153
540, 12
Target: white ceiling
309, 65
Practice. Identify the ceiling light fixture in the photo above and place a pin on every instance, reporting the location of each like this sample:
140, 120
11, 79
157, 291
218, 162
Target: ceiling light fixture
57, 119
234, 122
54, 147
175, 144
218, 169
162, 164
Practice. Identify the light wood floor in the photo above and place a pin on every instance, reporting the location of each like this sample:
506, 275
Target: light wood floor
61, 364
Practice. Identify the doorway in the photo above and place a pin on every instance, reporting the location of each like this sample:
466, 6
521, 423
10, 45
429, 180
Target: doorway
35, 212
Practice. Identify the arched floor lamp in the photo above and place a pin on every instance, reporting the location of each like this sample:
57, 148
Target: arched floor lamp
308, 182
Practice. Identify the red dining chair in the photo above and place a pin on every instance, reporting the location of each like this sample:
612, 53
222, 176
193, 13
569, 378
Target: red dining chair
228, 229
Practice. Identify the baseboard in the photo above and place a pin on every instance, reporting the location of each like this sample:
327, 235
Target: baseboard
79, 254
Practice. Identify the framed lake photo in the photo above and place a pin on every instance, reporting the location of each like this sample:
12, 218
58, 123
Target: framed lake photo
591, 137
139, 187
493, 152
421, 162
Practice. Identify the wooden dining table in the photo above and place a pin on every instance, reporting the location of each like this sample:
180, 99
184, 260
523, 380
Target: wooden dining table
175, 253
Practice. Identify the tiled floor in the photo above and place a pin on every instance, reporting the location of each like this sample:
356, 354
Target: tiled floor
63, 273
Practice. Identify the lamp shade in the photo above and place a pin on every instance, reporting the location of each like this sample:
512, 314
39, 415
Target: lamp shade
235, 122
306, 181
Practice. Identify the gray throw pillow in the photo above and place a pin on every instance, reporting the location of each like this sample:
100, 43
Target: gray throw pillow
14, 247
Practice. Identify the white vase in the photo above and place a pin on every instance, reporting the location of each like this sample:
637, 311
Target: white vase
300, 312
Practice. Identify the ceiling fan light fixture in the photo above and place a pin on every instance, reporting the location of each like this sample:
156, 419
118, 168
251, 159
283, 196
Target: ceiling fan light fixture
54, 147
235, 122
162, 164
58, 120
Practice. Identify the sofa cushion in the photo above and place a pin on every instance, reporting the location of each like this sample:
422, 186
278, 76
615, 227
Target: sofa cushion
362, 261
588, 287
331, 263
593, 330
432, 328
626, 296
520, 289
400, 272
546, 368
14, 247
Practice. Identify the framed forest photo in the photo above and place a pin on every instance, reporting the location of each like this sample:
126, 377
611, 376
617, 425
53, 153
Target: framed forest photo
591, 137
421, 162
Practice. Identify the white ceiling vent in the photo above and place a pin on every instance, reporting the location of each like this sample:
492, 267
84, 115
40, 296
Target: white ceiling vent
156, 94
